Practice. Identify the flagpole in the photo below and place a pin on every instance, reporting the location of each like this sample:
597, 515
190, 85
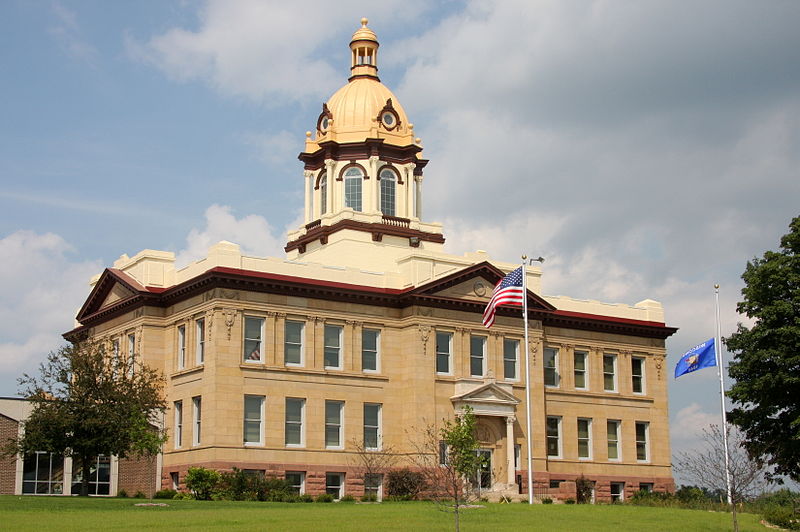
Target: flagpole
527, 381
722, 396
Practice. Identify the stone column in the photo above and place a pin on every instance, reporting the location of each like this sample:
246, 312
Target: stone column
510, 448
308, 174
333, 186
418, 212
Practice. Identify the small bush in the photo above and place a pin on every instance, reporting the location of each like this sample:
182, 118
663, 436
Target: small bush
783, 516
122, 494
202, 482
547, 500
583, 488
324, 497
369, 497
290, 497
652, 498
305, 497
569, 501
165, 494
347, 498
140, 495
183, 496
404, 483
239, 485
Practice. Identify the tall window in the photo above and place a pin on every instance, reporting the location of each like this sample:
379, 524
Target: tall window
323, 194
372, 485
333, 424
200, 332
99, 475
333, 346
617, 491
253, 334
477, 348
584, 438
253, 419
580, 369
334, 484
551, 376
297, 480
178, 407
197, 407
372, 426
610, 373
353, 178
612, 428
510, 359
388, 185
554, 437
637, 374
293, 343
131, 354
43, 474
444, 341
181, 347
370, 341
642, 428
115, 351
294, 421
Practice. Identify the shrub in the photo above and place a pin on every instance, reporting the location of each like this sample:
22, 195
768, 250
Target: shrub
324, 497
652, 498
569, 501
783, 516
165, 494
305, 497
347, 498
547, 500
583, 489
140, 495
369, 497
202, 482
183, 496
404, 483
238, 485
122, 494
781, 497
290, 497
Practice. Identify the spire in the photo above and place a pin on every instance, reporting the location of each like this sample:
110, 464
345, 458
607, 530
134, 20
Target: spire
364, 47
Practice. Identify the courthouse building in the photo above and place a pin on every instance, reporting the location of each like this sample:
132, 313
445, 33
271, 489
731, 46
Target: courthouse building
367, 330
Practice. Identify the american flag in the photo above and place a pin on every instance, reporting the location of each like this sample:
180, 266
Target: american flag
507, 292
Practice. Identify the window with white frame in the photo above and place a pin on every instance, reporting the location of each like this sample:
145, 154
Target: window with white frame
646, 487
178, 408
43, 474
295, 412
175, 480
197, 408
610, 373
333, 424
612, 429
517, 455
334, 484
553, 436
551, 375
253, 339
372, 426
323, 194
642, 451
254, 419
388, 186
617, 491
370, 352
443, 453
444, 342
353, 178
373, 485
181, 347
579, 369
584, 438
131, 354
293, 343
297, 481
637, 375
333, 347
477, 356
510, 359
200, 334
99, 475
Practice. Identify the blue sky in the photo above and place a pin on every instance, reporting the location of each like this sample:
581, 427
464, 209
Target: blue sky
647, 149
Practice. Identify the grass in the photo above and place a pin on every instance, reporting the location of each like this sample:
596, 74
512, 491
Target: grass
72, 513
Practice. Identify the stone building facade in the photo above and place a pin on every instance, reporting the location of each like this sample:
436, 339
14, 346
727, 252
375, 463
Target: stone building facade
367, 331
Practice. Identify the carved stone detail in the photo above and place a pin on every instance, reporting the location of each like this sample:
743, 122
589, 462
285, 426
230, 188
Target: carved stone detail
659, 366
230, 319
229, 294
424, 334
210, 324
139, 331
533, 347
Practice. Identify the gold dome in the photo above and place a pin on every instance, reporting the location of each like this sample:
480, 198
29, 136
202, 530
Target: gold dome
364, 33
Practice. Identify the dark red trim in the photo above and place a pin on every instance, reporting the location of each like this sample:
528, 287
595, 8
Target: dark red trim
322, 232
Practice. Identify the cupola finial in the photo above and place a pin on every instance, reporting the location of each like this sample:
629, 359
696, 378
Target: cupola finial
364, 47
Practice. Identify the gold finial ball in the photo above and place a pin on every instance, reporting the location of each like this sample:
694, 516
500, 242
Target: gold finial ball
410, 126
716, 286
308, 134
364, 22
418, 140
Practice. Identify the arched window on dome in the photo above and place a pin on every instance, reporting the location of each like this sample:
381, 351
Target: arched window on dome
353, 181
388, 192
323, 193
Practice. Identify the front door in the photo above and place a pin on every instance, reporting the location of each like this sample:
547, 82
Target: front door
485, 472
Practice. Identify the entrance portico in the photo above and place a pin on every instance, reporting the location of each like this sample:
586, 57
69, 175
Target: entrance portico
492, 405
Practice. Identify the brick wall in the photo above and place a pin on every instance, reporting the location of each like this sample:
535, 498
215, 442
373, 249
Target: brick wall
8, 470
138, 475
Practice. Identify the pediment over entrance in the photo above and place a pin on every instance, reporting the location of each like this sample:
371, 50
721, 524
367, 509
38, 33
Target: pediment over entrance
488, 399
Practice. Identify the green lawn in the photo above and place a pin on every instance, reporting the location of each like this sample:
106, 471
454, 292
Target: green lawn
72, 513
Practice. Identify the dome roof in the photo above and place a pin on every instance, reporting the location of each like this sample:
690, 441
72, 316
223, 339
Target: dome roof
364, 33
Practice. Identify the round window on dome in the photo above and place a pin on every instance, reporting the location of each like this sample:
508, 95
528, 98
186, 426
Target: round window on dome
388, 120
324, 123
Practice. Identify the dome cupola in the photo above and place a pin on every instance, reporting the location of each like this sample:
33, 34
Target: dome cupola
364, 48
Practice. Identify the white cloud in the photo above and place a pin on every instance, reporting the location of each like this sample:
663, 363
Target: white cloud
686, 427
67, 32
278, 149
252, 232
42, 287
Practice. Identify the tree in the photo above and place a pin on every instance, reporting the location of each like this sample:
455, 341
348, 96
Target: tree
87, 402
371, 463
766, 365
706, 466
449, 462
